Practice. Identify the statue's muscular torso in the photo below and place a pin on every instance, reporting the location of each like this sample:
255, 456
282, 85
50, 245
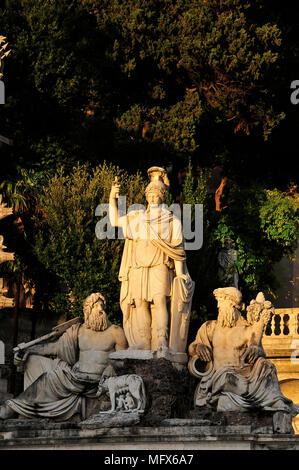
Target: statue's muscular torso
95, 347
229, 343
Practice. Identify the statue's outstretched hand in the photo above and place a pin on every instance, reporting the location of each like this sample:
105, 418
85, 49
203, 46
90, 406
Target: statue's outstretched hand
114, 193
203, 352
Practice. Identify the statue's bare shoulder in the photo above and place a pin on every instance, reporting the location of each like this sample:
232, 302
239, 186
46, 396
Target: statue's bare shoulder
209, 326
119, 336
116, 329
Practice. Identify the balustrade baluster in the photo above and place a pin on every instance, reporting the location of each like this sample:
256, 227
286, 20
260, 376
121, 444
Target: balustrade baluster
273, 325
292, 324
280, 325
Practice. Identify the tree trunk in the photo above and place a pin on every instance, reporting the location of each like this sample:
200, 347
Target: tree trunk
219, 192
16, 290
13, 372
35, 310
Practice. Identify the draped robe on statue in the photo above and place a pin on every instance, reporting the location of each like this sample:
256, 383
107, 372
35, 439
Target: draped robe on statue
257, 382
60, 390
153, 241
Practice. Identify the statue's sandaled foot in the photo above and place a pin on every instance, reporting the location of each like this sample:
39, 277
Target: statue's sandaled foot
162, 345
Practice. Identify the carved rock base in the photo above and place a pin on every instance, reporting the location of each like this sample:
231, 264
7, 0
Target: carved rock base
94, 406
260, 422
169, 391
173, 434
282, 423
111, 420
177, 358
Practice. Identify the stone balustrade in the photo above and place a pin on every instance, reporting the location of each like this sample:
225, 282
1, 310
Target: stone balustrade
281, 345
282, 332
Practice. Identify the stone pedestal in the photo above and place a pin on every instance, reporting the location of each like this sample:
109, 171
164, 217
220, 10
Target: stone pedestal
172, 434
260, 422
93, 406
169, 390
4, 394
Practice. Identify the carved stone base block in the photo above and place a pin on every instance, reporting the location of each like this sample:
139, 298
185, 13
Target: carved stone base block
93, 406
171, 434
260, 422
111, 420
4, 394
167, 388
176, 358
282, 423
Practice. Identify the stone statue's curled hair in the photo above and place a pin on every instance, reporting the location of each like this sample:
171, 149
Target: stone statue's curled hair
95, 322
230, 306
231, 294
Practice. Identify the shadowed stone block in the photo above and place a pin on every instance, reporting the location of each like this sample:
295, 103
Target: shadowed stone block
169, 391
282, 423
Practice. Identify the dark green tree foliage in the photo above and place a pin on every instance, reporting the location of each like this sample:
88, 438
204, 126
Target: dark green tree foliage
202, 263
264, 227
65, 241
58, 84
140, 82
215, 53
201, 76
61, 254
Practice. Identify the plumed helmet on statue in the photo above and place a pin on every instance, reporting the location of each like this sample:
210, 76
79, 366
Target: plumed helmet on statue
158, 181
229, 293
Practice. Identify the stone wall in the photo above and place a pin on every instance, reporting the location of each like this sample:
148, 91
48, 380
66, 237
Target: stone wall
281, 344
171, 435
44, 324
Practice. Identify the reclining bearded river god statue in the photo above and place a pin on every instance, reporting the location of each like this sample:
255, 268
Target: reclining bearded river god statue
228, 358
60, 373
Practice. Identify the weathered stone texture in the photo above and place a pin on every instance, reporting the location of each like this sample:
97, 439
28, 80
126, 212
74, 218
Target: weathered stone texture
169, 392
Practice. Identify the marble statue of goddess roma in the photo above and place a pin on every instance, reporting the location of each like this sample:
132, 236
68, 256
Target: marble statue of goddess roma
156, 288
